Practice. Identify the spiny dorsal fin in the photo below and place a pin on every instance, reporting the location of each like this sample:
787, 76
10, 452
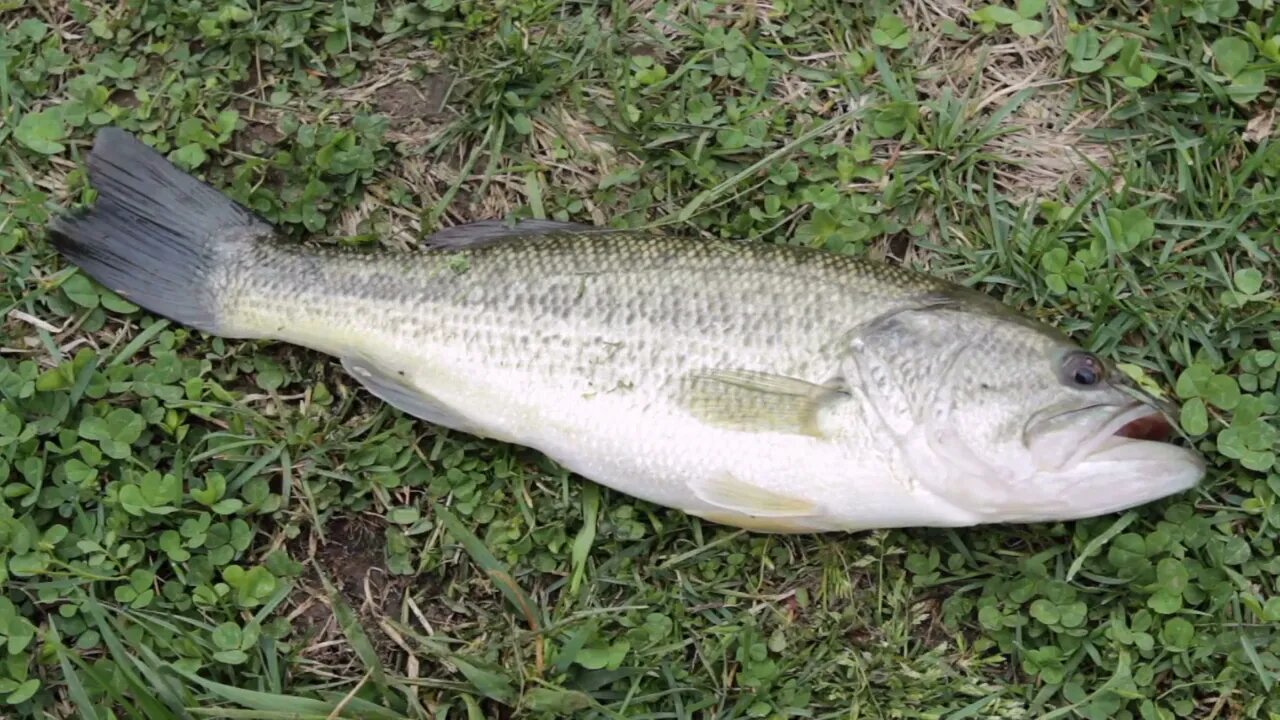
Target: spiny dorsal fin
490, 232
757, 401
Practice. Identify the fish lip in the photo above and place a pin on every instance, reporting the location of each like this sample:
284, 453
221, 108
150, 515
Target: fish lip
1134, 404
1108, 435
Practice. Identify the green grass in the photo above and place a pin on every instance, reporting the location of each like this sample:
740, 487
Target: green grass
191, 527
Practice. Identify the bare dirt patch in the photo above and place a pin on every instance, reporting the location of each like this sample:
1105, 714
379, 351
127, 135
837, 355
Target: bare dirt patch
261, 132
352, 558
410, 103
411, 87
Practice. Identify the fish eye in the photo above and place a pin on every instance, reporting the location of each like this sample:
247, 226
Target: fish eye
1082, 369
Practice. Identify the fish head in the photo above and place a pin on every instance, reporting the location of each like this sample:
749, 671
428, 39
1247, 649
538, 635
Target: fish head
1009, 420
1098, 443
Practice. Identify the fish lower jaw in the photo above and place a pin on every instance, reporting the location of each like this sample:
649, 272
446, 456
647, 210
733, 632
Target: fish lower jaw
1139, 423
1121, 474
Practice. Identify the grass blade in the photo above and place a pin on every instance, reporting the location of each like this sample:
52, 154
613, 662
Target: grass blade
721, 188
138, 342
70, 677
153, 707
267, 702
354, 633
496, 571
586, 536
1096, 544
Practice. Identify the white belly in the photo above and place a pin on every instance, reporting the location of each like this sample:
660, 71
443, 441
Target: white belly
662, 455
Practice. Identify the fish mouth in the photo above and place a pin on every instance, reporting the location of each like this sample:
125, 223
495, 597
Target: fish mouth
1137, 422
1149, 417
1104, 458
1152, 426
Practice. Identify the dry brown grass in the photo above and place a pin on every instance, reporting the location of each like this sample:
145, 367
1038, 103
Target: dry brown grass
1046, 146
418, 95
1261, 126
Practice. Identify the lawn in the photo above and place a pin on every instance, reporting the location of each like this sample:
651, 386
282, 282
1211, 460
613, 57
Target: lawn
193, 527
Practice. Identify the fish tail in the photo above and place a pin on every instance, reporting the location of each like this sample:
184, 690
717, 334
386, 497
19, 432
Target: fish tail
157, 236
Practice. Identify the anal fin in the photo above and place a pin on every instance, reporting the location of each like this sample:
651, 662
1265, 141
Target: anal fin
772, 525
393, 388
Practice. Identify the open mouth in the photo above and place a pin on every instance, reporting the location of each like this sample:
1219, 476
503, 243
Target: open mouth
1136, 423
1153, 426
1124, 453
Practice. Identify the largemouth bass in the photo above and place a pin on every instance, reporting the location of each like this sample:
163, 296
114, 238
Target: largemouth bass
769, 387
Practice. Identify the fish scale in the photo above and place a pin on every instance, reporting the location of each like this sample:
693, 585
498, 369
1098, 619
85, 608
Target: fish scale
773, 387
569, 296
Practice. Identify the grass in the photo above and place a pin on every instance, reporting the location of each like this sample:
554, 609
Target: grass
191, 527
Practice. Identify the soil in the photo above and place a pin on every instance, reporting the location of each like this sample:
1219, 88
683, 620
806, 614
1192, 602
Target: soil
409, 104
351, 555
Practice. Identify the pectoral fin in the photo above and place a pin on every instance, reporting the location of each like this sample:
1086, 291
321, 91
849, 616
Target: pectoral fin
757, 402
393, 388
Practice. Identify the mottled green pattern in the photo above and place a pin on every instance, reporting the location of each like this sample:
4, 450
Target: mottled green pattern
616, 309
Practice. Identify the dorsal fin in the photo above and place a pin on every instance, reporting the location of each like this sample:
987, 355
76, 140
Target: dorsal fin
490, 232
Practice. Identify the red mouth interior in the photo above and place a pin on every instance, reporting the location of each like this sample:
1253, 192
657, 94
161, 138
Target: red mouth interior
1150, 427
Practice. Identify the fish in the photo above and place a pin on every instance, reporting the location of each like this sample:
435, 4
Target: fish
766, 386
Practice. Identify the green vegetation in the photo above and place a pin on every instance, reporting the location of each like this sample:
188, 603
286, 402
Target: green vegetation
193, 527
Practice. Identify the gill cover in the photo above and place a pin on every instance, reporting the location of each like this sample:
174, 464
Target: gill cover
905, 363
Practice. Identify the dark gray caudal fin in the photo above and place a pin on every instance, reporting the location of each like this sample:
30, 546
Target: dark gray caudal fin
156, 233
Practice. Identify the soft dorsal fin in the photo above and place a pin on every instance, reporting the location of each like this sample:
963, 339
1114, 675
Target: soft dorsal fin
490, 232
757, 401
